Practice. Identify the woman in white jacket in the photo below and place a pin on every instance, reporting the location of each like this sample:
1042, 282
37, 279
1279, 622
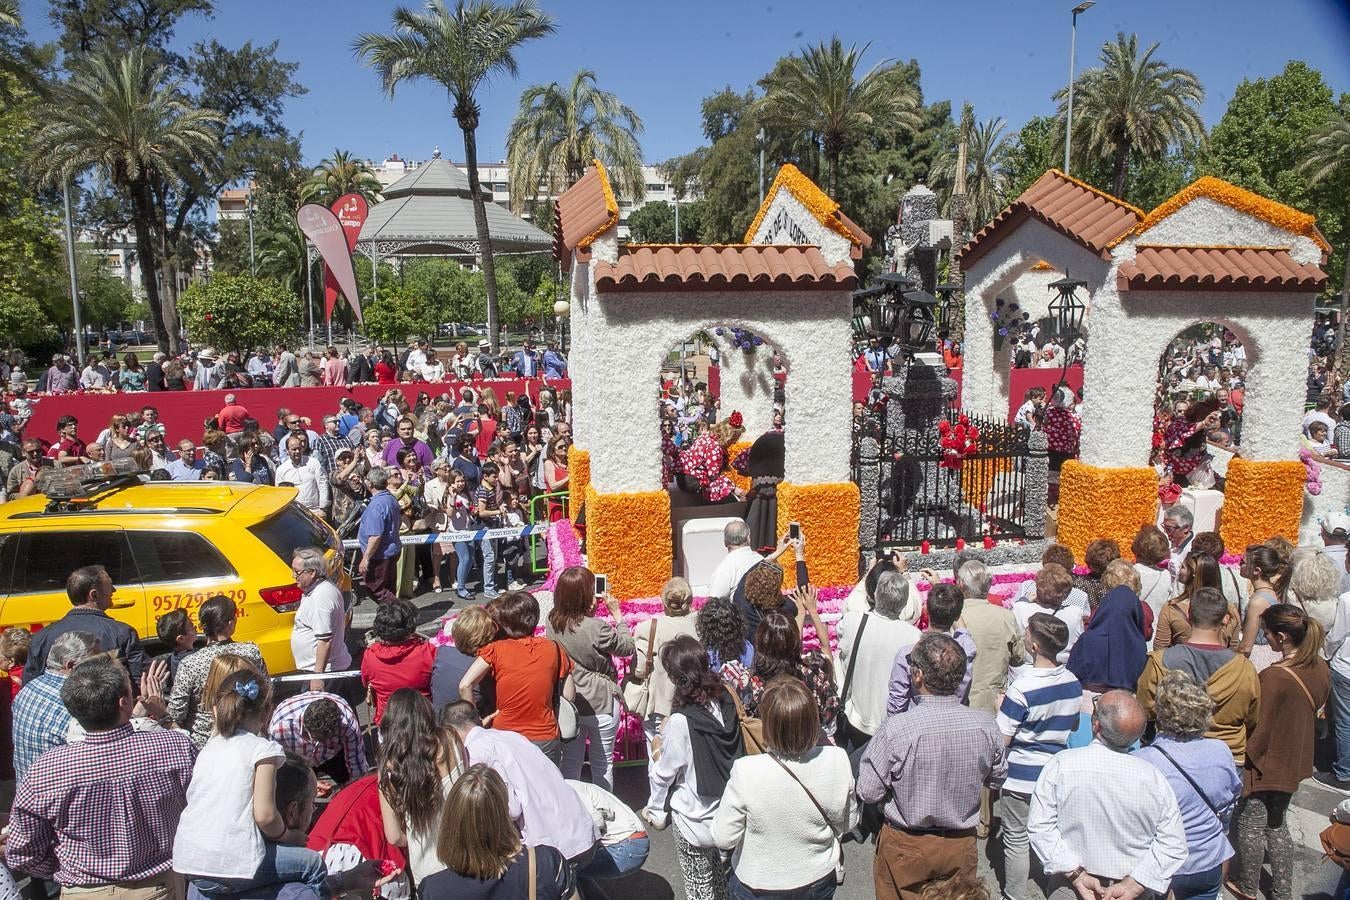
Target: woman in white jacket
784, 811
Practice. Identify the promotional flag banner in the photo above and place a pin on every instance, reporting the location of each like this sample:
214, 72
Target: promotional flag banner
351, 210
321, 226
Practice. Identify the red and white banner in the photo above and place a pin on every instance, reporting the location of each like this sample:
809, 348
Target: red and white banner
321, 226
351, 210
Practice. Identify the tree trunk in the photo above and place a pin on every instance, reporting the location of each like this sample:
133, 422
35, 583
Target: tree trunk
1121, 170
146, 251
468, 121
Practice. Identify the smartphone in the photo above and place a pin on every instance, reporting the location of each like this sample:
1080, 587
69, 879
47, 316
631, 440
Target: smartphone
602, 584
794, 531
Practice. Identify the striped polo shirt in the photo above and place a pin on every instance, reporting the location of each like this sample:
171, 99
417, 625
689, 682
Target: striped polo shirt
1039, 711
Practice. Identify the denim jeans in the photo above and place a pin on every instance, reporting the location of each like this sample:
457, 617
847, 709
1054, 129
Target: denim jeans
819, 890
1016, 845
1198, 885
281, 864
598, 731
1340, 720
463, 563
489, 568
619, 859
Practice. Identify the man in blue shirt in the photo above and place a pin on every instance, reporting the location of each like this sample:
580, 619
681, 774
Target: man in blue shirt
378, 537
555, 364
525, 363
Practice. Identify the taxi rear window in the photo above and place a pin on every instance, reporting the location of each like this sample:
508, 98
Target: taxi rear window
288, 531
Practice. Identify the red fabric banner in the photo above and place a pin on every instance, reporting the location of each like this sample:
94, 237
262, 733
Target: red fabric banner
321, 226
351, 210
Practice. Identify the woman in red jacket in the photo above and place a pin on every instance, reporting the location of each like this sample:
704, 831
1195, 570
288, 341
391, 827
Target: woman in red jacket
399, 657
386, 370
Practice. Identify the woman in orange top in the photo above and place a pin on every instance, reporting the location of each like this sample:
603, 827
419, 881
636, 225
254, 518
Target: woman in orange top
527, 671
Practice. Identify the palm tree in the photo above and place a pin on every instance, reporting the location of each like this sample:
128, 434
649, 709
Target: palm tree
1133, 103
1328, 150
818, 95
459, 50
124, 118
337, 175
282, 257
986, 179
558, 131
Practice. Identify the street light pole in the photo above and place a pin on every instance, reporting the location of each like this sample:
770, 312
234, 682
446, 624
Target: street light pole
74, 276
1073, 40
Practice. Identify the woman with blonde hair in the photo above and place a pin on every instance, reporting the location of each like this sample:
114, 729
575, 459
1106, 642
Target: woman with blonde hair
1279, 750
591, 643
1200, 570
481, 851
1314, 584
676, 602
119, 444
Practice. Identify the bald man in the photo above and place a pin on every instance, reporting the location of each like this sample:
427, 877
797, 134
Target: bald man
1106, 823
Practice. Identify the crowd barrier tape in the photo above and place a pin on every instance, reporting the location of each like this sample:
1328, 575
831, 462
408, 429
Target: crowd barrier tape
316, 676
453, 537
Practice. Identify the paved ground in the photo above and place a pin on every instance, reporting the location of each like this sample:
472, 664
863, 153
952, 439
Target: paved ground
660, 878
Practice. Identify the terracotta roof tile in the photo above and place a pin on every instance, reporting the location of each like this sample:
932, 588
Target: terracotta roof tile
1226, 268
1075, 209
583, 212
647, 267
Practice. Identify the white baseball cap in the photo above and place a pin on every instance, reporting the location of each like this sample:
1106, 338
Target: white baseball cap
1334, 522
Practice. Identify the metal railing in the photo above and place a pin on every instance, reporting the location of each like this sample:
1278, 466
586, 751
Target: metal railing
538, 513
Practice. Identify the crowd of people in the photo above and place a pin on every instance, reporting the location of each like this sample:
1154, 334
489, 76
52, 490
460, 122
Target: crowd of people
283, 366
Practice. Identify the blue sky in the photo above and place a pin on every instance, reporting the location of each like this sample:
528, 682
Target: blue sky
1005, 56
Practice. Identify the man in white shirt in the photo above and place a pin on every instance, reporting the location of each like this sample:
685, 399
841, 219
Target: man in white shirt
740, 559
1338, 647
1335, 530
868, 643
549, 812
306, 474
94, 377
1178, 525
319, 634
1101, 818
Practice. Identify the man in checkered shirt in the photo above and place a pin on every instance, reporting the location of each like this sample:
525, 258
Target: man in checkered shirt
321, 729
100, 815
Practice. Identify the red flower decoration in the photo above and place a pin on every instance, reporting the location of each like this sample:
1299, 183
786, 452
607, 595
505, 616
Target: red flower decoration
736, 419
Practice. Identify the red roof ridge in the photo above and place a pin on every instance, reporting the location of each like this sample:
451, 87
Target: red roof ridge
746, 267
1176, 267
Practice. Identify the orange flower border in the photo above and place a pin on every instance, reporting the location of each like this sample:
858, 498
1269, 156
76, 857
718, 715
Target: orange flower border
1242, 200
809, 194
828, 514
578, 479
1261, 500
1096, 502
628, 538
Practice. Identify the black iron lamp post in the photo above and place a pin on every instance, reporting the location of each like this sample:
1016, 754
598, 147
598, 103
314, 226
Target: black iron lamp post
1068, 313
946, 293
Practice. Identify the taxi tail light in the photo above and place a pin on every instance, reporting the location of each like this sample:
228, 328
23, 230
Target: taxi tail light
285, 598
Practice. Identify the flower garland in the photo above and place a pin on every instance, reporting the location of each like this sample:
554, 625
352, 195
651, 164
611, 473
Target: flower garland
1007, 319
1098, 502
1261, 500
1314, 485
628, 538
957, 442
1242, 200
809, 195
828, 515
578, 478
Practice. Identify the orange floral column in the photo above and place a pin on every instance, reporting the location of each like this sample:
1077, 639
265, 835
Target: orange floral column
1104, 503
1261, 500
578, 479
628, 539
828, 514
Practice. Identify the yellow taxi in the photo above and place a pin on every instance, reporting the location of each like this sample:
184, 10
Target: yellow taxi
166, 545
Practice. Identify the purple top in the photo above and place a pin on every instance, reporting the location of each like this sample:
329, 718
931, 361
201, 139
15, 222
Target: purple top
898, 696
422, 450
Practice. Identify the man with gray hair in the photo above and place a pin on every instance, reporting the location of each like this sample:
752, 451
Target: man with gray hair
378, 537
868, 644
319, 634
1105, 822
154, 372
41, 720
927, 766
997, 641
1178, 524
740, 559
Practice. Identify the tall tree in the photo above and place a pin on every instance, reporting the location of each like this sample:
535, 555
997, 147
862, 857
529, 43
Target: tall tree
126, 119
985, 173
1133, 103
340, 174
459, 49
819, 94
558, 131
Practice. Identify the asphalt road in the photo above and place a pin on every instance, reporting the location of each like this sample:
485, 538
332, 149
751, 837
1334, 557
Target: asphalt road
1315, 879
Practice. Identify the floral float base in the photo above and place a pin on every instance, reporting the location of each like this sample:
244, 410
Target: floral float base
828, 514
628, 539
1261, 500
1097, 502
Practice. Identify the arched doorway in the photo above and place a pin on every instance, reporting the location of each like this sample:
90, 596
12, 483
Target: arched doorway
1198, 402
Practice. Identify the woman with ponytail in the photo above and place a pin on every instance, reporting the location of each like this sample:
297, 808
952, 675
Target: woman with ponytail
1280, 749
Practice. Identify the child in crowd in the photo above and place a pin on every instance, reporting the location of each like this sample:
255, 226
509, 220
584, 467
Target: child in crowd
176, 631
1033, 402
233, 836
398, 658
14, 656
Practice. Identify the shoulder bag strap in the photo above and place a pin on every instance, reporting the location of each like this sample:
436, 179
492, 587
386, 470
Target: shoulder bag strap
852, 660
651, 648
812, 797
1189, 780
736, 699
534, 873
1303, 687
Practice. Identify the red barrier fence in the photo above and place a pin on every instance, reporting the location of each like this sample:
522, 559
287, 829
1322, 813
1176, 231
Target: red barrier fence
184, 412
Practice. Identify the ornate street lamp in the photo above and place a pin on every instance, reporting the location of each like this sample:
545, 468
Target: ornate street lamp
946, 292
1066, 308
917, 319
